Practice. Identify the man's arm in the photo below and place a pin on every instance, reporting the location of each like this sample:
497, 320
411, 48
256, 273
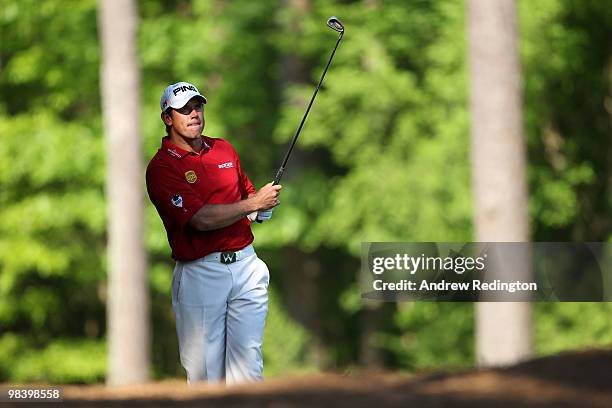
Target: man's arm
215, 216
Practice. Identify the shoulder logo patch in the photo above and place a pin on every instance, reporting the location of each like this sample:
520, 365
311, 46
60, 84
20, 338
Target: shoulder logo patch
227, 165
190, 176
177, 200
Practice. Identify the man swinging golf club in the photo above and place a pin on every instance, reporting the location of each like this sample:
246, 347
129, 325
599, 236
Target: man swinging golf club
219, 285
206, 203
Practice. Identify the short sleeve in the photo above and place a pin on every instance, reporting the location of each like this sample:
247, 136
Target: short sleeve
175, 200
244, 184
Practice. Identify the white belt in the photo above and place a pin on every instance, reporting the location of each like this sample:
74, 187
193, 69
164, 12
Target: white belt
229, 257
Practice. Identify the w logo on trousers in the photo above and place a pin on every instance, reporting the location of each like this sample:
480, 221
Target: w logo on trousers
228, 257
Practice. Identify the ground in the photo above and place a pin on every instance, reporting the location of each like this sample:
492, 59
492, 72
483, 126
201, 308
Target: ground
577, 379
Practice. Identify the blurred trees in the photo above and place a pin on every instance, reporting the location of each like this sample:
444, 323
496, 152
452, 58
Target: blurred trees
128, 295
52, 228
566, 58
384, 155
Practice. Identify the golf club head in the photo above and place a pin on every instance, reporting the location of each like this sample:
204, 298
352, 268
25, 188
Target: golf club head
335, 24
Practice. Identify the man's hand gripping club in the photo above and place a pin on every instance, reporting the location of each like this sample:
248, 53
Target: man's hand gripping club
265, 212
215, 216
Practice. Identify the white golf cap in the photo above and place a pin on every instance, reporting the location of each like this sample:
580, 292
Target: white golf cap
177, 95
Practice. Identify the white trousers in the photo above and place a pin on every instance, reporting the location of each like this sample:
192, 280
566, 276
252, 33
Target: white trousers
220, 312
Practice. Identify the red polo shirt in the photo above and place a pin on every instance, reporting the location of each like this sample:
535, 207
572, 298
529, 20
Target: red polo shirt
180, 182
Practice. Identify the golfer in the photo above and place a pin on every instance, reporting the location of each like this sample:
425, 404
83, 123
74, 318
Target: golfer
207, 203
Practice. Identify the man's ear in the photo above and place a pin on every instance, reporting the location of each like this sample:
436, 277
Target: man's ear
166, 118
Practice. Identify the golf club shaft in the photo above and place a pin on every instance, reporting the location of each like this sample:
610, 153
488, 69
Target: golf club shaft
281, 170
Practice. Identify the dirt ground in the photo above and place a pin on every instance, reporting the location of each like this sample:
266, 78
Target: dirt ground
577, 379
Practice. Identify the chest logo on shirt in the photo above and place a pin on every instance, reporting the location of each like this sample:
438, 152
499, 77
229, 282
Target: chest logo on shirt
177, 200
227, 165
190, 176
174, 153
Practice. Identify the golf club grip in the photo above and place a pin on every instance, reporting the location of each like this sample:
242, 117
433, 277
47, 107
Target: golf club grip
279, 175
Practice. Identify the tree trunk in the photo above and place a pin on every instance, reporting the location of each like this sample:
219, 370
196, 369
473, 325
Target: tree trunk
127, 302
503, 330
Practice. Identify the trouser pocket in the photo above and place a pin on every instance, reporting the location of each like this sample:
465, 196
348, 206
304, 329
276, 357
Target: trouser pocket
177, 277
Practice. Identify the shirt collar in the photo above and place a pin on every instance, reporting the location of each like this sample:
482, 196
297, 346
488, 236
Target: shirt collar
178, 153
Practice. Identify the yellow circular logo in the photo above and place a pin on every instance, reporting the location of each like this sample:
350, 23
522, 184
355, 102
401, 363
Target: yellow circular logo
191, 177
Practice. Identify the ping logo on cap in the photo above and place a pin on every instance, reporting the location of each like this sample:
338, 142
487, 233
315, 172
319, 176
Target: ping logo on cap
184, 88
178, 94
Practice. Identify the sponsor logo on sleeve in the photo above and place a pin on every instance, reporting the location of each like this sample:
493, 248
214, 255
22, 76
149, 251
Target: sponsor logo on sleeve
177, 200
227, 165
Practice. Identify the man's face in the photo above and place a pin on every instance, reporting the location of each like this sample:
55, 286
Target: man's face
188, 121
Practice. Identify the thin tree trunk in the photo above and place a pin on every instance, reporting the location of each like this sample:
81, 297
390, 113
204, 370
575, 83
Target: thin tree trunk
503, 330
128, 305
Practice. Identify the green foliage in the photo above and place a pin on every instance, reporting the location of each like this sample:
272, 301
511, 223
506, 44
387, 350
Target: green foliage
60, 361
395, 139
285, 342
433, 335
569, 326
50, 58
566, 53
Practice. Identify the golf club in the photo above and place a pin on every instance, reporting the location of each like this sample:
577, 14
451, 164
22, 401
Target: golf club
335, 24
